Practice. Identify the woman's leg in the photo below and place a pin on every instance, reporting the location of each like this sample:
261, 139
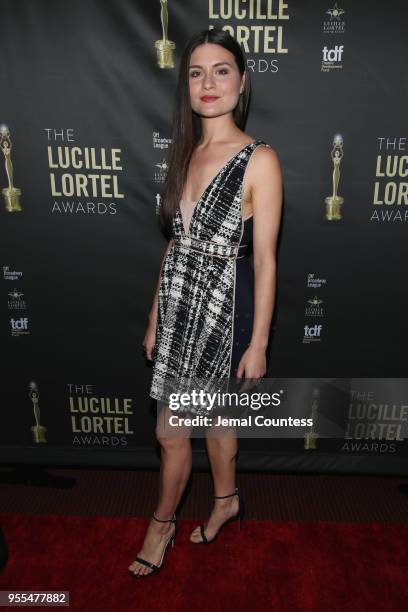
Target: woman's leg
175, 468
221, 452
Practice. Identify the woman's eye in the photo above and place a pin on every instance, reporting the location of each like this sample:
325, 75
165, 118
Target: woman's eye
197, 72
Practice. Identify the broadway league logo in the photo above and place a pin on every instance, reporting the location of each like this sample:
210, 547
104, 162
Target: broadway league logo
11, 194
335, 25
9, 274
313, 282
334, 202
164, 47
161, 142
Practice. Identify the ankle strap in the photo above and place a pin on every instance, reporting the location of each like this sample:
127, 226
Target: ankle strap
172, 520
225, 496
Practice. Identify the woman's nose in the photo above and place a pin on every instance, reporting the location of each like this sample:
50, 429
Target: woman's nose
208, 80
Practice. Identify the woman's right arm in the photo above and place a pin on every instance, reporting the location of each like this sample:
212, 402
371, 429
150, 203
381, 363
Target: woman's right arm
150, 336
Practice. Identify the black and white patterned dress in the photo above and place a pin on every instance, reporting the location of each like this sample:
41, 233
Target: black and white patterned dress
205, 309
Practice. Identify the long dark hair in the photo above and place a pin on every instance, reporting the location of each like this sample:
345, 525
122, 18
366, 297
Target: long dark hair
186, 125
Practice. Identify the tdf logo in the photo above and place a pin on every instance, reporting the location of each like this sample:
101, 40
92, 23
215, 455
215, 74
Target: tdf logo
313, 330
333, 55
312, 333
19, 324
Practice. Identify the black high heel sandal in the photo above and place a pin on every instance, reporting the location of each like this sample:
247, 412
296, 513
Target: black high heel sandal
156, 568
239, 515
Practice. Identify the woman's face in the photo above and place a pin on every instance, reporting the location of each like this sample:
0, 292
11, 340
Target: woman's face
214, 79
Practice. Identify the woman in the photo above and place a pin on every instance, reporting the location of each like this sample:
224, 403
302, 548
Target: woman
208, 319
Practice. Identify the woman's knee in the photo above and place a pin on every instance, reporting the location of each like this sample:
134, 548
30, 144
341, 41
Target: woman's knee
172, 443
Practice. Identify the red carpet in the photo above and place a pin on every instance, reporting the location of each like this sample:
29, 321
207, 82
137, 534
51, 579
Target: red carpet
276, 566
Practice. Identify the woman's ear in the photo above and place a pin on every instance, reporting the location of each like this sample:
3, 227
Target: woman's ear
241, 89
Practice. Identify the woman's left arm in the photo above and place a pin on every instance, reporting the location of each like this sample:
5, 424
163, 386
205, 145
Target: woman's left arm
267, 192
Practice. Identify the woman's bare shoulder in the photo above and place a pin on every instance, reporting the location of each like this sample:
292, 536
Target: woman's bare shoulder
264, 161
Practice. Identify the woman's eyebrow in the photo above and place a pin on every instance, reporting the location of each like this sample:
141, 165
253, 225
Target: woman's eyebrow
217, 64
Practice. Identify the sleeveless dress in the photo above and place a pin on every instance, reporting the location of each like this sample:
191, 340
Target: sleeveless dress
206, 301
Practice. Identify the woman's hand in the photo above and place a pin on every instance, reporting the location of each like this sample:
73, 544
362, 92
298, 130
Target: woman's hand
149, 339
252, 364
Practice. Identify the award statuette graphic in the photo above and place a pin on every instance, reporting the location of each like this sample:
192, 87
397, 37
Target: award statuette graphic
334, 202
37, 429
311, 436
11, 194
164, 47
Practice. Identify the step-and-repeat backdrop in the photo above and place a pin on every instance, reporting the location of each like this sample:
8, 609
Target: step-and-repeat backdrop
85, 114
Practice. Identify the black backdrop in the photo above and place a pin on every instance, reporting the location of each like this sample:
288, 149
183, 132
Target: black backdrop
80, 266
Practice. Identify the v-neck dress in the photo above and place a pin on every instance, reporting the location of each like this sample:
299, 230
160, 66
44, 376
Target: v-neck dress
206, 291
